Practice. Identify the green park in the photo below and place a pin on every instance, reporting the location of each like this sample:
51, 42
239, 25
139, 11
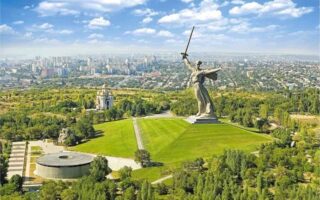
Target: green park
170, 141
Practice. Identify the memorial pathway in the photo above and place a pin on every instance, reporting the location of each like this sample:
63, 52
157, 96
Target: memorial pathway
162, 179
137, 133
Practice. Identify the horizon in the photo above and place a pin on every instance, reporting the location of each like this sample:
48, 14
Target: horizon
60, 27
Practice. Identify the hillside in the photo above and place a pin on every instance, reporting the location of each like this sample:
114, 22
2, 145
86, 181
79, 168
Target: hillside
116, 139
174, 140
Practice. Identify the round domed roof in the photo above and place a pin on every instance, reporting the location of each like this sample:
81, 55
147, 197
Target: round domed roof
64, 159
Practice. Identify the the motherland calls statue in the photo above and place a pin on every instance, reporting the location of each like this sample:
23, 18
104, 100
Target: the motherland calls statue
205, 106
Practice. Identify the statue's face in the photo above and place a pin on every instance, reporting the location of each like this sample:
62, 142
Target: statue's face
198, 64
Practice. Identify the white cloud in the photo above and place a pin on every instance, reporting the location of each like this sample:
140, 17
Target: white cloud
186, 1
95, 36
207, 11
5, 29
49, 28
93, 41
44, 26
147, 20
173, 41
64, 32
246, 27
45, 40
238, 2
75, 7
28, 35
164, 33
282, 8
98, 22
145, 12
142, 31
47, 8
18, 22
195, 35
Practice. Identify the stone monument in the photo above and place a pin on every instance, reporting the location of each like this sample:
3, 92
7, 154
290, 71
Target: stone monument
64, 134
205, 106
104, 98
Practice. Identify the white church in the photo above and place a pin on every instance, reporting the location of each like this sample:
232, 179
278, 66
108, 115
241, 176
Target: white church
104, 98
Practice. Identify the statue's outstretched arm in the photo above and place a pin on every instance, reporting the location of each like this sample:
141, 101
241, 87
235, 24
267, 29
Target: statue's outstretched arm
188, 64
210, 71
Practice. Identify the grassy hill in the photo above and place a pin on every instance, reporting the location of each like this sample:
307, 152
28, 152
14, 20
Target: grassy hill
158, 133
172, 141
117, 139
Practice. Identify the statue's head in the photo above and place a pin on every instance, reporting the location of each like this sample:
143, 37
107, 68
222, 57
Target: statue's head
198, 64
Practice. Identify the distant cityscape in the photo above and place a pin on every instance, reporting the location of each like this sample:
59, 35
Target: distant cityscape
161, 72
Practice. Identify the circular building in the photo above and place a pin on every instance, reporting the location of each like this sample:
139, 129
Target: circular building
63, 165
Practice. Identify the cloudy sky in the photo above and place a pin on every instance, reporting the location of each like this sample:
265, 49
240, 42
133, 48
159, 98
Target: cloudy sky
54, 27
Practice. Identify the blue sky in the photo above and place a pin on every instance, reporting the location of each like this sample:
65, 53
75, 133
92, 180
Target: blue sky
54, 27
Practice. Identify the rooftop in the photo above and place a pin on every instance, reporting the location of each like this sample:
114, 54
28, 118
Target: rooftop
65, 159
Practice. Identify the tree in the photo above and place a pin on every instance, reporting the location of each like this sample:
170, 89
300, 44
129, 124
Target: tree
129, 194
7, 189
261, 124
85, 128
125, 172
52, 190
72, 139
3, 169
99, 168
264, 111
260, 183
69, 194
17, 181
247, 119
146, 192
143, 156
162, 189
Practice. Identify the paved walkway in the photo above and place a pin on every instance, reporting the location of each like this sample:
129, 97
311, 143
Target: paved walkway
47, 147
165, 114
162, 179
138, 134
17, 159
115, 163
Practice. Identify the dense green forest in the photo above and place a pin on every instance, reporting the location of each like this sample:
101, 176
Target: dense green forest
288, 168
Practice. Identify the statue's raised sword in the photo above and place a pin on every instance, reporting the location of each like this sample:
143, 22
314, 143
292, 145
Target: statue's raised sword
185, 52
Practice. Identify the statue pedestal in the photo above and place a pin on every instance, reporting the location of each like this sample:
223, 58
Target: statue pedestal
202, 120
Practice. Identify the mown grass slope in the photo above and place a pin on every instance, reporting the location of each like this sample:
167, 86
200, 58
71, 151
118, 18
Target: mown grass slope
117, 139
205, 140
157, 133
172, 141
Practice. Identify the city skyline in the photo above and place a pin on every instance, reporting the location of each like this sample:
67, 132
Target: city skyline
70, 27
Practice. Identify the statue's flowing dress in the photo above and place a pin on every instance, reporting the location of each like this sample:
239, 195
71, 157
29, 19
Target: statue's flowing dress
205, 105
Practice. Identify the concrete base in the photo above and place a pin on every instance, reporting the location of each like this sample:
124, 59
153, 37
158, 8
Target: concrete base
202, 120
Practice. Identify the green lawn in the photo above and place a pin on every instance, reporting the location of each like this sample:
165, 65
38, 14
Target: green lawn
227, 121
158, 133
172, 141
117, 139
205, 140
